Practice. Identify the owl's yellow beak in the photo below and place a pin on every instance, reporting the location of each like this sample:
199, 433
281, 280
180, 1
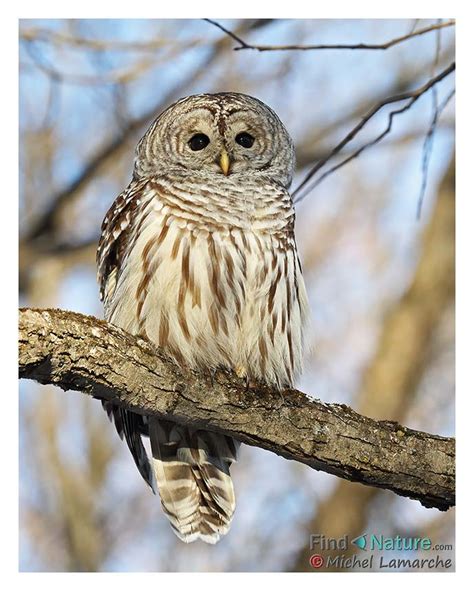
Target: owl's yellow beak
224, 162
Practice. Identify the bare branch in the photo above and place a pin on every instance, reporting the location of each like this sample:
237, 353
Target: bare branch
414, 25
306, 154
119, 76
152, 45
404, 81
428, 143
368, 46
427, 146
410, 96
83, 353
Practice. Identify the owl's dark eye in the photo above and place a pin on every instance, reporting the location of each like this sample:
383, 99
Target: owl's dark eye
244, 139
198, 142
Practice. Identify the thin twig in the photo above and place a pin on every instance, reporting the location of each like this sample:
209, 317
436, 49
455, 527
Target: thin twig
227, 32
412, 96
428, 143
123, 76
427, 148
370, 46
414, 25
304, 156
56, 37
387, 130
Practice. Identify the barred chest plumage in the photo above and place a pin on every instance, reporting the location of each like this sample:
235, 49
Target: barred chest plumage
215, 279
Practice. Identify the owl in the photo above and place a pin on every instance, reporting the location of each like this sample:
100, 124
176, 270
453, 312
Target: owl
198, 255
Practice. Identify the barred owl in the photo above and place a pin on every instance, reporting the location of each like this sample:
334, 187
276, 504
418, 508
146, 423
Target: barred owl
198, 255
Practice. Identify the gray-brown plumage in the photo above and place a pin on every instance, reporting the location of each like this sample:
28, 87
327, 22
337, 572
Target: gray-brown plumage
198, 255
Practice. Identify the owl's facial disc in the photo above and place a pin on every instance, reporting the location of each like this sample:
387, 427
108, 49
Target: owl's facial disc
226, 135
220, 142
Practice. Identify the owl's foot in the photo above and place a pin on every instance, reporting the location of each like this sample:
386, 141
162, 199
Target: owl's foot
240, 371
251, 384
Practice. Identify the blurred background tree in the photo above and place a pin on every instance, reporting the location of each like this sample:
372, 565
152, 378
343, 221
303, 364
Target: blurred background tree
377, 243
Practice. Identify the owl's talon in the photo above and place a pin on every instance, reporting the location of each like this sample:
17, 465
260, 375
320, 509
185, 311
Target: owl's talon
250, 384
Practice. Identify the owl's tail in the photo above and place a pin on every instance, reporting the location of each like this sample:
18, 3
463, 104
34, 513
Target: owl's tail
191, 470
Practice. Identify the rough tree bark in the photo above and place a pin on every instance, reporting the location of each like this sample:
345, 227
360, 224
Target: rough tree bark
77, 352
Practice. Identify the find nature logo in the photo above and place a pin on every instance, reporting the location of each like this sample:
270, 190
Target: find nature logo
374, 547
360, 542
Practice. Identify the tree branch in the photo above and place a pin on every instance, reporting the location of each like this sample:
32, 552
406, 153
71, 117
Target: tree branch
151, 45
119, 76
410, 96
371, 46
83, 353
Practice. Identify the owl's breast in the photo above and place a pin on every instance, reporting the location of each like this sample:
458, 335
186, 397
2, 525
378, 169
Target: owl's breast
213, 294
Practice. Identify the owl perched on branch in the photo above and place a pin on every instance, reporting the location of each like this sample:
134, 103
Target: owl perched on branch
198, 255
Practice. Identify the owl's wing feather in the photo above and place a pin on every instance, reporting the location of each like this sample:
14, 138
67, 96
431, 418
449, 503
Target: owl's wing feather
113, 245
115, 235
131, 426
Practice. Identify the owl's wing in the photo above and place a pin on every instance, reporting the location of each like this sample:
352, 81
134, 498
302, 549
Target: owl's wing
113, 246
114, 238
132, 426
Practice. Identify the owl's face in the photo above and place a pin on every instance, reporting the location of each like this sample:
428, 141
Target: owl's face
224, 136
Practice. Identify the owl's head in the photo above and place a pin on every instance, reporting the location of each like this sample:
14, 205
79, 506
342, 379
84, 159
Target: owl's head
223, 135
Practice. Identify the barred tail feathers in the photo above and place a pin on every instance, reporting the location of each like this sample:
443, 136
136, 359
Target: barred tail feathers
191, 469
